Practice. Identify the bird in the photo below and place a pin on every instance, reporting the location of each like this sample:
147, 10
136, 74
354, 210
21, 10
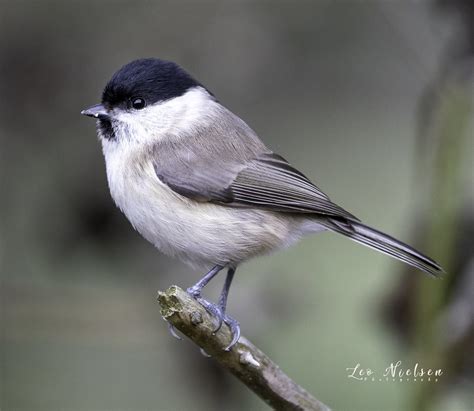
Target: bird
200, 185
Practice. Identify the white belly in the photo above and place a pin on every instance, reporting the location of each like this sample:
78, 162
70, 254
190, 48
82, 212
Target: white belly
199, 233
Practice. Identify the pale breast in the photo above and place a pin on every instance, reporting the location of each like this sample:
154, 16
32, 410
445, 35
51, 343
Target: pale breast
199, 233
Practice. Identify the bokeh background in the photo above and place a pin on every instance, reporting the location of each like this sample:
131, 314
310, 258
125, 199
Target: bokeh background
370, 99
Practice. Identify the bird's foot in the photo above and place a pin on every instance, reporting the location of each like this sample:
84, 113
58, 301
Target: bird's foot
215, 312
211, 308
219, 315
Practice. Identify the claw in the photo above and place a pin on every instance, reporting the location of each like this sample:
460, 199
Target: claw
234, 330
215, 312
173, 332
218, 325
220, 321
204, 353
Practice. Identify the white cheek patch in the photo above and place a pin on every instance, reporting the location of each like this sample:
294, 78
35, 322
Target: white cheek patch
174, 117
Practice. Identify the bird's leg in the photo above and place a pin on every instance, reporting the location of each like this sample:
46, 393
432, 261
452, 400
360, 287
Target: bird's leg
221, 305
217, 310
233, 324
225, 290
196, 289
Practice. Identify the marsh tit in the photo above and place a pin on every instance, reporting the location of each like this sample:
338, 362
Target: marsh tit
197, 182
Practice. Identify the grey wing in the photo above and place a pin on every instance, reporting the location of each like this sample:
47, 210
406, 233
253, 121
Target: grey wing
265, 181
269, 181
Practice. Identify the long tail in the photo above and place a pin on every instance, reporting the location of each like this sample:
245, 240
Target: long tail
384, 243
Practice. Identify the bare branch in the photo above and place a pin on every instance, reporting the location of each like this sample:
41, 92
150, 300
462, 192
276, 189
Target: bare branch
245, 361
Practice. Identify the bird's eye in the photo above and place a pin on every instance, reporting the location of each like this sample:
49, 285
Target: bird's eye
138, 103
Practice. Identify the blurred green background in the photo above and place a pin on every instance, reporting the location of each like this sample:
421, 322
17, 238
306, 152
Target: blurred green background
365, 97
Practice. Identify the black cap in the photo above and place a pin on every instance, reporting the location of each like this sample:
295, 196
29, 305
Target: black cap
151, 79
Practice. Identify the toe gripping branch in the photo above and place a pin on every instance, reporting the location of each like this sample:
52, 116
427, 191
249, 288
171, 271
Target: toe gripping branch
216, 310
197, 319
249, 364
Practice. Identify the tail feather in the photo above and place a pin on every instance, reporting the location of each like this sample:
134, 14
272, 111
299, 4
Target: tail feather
384, 243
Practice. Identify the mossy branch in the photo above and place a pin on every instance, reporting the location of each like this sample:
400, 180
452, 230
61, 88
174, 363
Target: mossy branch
249, 364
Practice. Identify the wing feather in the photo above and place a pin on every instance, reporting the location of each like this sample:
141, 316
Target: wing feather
270, 182
267, 181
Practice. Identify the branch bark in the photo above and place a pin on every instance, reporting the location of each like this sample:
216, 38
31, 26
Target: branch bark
249, 364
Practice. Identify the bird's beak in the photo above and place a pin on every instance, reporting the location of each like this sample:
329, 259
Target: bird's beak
97, 111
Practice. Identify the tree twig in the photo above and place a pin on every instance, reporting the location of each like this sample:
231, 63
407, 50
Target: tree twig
249, 364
